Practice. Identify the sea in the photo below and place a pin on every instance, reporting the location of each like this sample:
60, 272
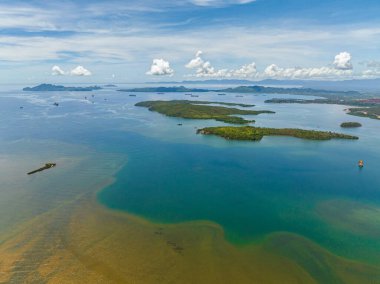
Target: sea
164, 172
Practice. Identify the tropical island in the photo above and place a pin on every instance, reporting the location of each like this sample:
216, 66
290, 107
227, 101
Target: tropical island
370, 112
350, 124
59, 88
368, 107
201, 110
251, 133
333, 101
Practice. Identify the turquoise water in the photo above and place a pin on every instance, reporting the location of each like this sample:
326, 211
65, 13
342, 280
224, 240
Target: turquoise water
172, 175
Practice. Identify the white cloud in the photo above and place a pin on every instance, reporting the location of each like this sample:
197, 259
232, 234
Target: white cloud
273, 71
57, 71
246, 71
342, 67
160, 67
205, 69
80, 71
342, 61
371, 73
220, 3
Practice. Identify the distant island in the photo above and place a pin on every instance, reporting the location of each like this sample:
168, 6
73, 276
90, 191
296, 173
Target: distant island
257, 133
201, 110
368, 107
350, 124
370, 85
178, 89
51, 88
289, 91
251, 90
338, 101
370, 112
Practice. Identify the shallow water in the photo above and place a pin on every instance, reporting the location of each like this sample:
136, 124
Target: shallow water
251, 189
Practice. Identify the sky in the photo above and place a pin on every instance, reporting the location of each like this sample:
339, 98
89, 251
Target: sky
130, 41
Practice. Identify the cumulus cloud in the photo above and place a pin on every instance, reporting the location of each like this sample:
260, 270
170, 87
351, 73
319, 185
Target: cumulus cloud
160, 67
205, 69
246, 71
57, 71
342, 67
342, 61
80, 71
274, 71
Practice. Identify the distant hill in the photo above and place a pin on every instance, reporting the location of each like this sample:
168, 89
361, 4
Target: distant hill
253, 90
164, 89
291, 91
51, 88
365, 85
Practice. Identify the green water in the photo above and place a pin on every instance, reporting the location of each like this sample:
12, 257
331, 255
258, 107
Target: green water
252, 189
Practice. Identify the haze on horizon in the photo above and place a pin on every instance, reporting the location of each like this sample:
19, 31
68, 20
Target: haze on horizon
139, 41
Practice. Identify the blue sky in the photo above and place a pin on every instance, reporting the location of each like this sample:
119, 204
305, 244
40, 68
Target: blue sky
138, 41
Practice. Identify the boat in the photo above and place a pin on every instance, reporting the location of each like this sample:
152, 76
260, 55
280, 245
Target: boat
361, 164
56, 104
132, 95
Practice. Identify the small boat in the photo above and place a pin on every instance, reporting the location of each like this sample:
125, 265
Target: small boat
361, 164
179, 124
221, 94
56, 104
132, 95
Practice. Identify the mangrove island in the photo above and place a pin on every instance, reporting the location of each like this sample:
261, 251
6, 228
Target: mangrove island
350, 124
257, 133
201, 110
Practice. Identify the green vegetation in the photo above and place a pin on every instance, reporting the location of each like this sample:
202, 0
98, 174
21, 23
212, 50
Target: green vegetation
257, 133
341, 101
369, 107
370, 112
350, 124
50, 88
201, 110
